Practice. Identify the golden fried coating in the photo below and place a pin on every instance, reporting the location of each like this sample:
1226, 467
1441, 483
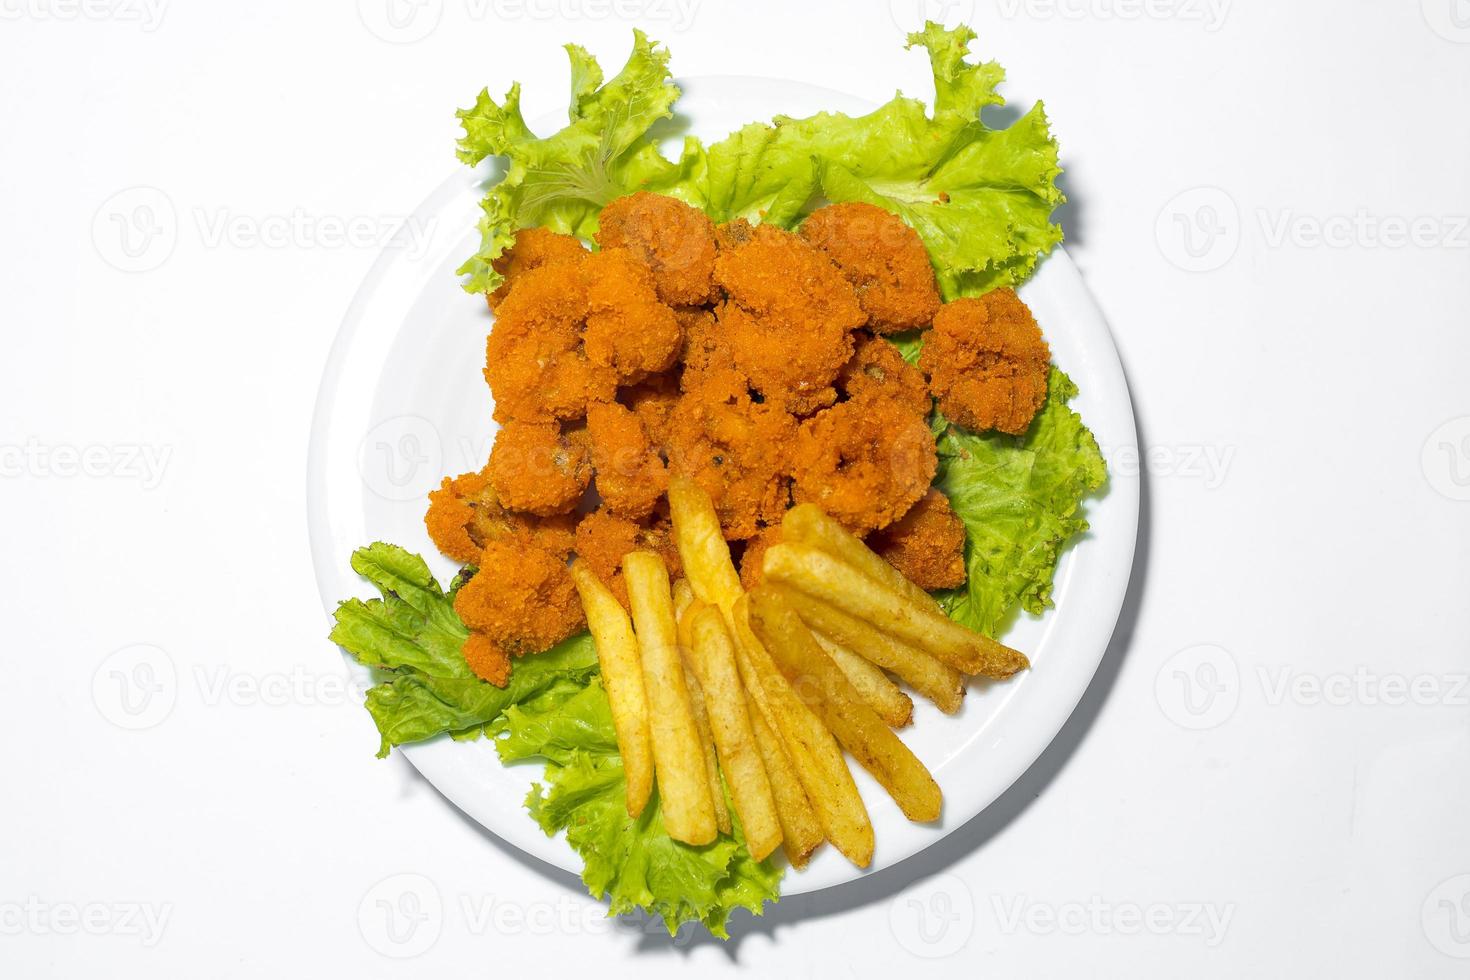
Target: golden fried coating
739, 451
864, 461
534, 360
522, 599
751, 573
987, 362
927, 544
789, 316
629, 330
604, 538
883, 258
533, 248
631, 475
487, 659
675, 241
877, 367
538, 468
465, 515
653, 400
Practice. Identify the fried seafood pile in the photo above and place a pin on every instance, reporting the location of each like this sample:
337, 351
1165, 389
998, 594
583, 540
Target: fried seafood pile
748, 358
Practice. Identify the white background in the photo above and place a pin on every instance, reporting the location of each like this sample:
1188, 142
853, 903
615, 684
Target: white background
1270, 774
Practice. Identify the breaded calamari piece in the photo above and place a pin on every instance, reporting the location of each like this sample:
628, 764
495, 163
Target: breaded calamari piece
927, 544
877, 367
535, 364
629, 330
538, 468
675, 241
603, 539
987, 363
465, 515
883, 258
533, 248
789, 315
864, 461
653, 400
751, 572
522, 599
631, 475
488, 659
739, 451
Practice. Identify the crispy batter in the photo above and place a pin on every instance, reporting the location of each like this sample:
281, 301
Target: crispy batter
487, 659
877, 367
538, 468
534, 360
751, 572
883, 258
987, 362
522, 598
629, 330
927, 544
864, 461
738, 450
789, 317
675, 241
631, 476
653, 401
604, 538
465, 515
533, 248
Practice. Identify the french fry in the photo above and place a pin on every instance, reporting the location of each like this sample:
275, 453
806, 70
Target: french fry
713, 656
809, 524
814, 751
701, 544
820, 575
678, 756
801, 832
707, 742
877, 691
825, 689
936, 681
622, 676
683, 596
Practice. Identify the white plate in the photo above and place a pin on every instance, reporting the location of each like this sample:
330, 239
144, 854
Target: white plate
403, 403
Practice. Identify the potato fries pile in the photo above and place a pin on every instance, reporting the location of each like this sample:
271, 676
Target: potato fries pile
747, 701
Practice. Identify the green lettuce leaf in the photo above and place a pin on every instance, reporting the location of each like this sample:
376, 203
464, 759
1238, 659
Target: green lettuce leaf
1019, 498
412, 638
634, 864
561, 182
980, 198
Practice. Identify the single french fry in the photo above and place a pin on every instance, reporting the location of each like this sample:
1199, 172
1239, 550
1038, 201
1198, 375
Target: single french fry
932, 679
809, 524
678, 756
713, 657
825, 689
813, 749
702, 548
707, 742
867, 678
820, 575
683, 596
622, 677
801, 831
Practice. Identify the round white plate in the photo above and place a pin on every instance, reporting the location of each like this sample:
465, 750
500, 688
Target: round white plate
403, 403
